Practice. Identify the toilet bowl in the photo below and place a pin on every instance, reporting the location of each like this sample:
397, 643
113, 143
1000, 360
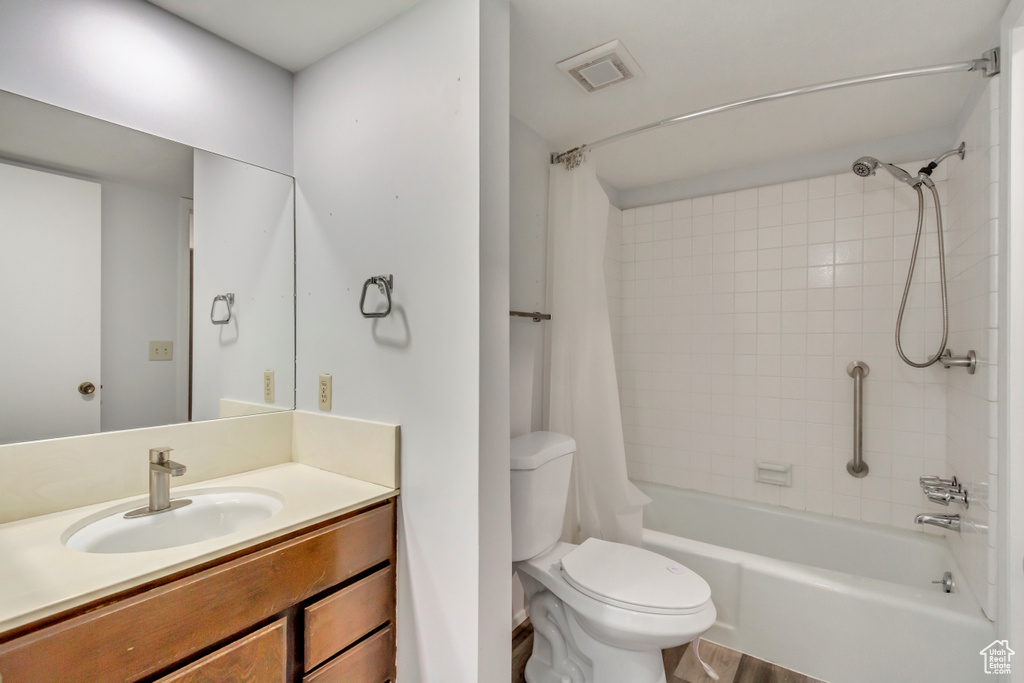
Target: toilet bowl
602, 612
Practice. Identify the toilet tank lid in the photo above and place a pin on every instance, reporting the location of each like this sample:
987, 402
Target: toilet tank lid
530, 451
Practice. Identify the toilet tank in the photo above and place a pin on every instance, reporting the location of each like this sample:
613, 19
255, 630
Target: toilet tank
541, 465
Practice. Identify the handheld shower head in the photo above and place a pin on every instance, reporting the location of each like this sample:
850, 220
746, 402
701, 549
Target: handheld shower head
865, 166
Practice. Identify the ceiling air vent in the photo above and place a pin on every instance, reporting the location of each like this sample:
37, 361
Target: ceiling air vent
601, 67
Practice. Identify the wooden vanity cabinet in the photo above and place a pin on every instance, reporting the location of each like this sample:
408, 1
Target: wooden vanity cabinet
259, 656
317, 606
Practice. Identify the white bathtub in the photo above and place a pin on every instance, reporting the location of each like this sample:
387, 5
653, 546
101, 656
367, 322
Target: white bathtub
842, 601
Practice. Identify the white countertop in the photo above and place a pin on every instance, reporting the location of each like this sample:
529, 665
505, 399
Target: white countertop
39, 577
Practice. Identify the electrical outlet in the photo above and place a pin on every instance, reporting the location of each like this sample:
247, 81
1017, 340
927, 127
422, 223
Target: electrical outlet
268, 386
161, 350
325, 392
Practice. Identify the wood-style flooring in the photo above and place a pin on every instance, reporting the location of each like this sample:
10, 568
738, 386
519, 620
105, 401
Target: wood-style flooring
681, 666
522, 646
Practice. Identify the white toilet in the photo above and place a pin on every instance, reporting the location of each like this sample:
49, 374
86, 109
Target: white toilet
602, 612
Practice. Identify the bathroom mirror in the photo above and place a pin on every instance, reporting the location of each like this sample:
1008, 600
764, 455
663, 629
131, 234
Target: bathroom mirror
142, 282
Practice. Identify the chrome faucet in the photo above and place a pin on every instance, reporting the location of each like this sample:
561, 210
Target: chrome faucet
161, 469
945, 491
951, 522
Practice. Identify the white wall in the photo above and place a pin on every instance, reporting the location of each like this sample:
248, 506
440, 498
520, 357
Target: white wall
528, 243
144, 240
1009, 531
528, 238
243, 244
390, 155
972, 248
132, 63
494, 640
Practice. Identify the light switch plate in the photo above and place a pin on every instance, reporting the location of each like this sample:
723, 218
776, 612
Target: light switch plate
161, 350
268, 386
324, 400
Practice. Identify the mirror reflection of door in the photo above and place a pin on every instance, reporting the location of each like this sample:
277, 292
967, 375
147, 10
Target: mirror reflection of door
140, 263
50, 331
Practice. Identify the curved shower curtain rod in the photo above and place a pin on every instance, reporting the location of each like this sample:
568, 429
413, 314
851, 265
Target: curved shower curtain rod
988, 64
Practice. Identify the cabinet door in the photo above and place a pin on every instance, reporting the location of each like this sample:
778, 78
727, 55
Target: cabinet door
337, 621
259, 657
371, 661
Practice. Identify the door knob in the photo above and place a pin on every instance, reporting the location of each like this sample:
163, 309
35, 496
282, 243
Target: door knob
86, 388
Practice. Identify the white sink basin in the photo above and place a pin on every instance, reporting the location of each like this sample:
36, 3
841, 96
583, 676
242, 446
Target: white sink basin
214, 512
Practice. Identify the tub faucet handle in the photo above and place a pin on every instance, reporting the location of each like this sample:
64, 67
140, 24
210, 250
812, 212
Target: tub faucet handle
931, 481
945, 497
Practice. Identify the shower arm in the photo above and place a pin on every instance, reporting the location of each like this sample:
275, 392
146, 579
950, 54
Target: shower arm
959, 151
924, 175
988, 65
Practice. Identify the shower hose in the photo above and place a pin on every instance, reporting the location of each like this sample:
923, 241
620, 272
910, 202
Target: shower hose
910, 277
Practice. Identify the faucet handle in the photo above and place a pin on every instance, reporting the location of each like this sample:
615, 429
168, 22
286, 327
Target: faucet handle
160, 461
160, 455
946, 497
931, 481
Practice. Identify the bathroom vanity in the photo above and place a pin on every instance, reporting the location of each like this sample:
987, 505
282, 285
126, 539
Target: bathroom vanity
313, 605
303, 594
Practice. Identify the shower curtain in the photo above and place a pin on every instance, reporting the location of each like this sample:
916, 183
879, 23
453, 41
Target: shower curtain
584, 394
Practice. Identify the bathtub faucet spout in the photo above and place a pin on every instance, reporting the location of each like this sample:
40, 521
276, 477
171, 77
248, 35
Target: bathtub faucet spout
951, 522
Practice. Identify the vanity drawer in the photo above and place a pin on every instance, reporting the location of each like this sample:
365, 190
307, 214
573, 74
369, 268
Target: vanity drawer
337, 621
371, 661
140, 635
259, 656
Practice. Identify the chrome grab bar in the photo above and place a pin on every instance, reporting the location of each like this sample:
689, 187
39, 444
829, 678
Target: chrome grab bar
858, 370
229, 300
385, 283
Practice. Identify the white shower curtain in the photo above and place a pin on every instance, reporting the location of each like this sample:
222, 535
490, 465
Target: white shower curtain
584, 395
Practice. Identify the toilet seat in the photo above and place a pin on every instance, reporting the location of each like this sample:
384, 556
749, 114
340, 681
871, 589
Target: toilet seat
634, 578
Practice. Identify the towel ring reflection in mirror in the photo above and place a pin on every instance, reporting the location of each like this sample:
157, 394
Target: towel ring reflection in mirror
385, 283
229, 300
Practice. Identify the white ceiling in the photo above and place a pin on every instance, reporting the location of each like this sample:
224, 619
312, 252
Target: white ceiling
292, 34
694, 54
700, 53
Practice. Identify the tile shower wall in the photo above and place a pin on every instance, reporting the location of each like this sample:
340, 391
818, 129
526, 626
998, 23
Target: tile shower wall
741, 312
971, 417
735, 316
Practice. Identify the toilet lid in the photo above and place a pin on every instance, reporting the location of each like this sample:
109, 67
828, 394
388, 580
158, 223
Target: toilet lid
634, 578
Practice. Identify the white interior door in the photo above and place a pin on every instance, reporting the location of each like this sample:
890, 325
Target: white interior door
49, 304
